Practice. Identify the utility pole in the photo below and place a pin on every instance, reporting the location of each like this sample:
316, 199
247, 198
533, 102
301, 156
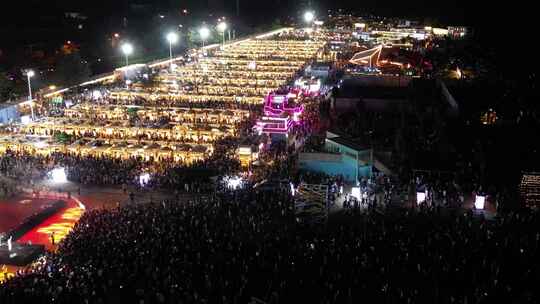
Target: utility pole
356, 168
237, 8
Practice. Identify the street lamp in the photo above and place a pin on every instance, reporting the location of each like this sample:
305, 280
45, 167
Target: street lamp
204, 32
172, 38
222, 27
127, 49
309, 16
30, 74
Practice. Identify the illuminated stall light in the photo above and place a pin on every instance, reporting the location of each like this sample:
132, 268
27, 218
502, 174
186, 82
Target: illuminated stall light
144, 179
355, 192
479, 202
421, 197
58, 175
233, 182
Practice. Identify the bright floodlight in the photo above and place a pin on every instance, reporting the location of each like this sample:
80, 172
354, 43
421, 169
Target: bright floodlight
40, 144
144, 179
26, 119
30, 73
172, 37
420, 197
355, 192
479, 202
96, 94
234, 182
58, 175
204, 32
309, 16
127, 49
222, 26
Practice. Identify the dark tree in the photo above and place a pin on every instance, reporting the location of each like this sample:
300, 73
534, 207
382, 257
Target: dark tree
71, 69
9, 88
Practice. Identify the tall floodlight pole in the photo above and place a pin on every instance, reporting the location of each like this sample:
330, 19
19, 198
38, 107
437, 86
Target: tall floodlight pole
222, 27
204, 32
30, 74
309, 16
127, 49
172, 38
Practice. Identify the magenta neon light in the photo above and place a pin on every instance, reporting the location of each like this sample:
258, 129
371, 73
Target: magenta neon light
271, 110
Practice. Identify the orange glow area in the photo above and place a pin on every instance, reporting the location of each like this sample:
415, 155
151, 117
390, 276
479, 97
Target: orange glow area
7, 272
60, 224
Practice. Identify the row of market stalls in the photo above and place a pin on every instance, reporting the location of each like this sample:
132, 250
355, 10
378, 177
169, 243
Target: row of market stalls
178, 116
121, 149
119, 130
183, 115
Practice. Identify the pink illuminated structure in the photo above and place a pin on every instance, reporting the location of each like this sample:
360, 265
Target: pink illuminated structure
274, 125
276, 105
280, 115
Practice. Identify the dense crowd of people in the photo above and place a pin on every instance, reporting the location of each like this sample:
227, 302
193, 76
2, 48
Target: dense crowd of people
89, 170
235, 245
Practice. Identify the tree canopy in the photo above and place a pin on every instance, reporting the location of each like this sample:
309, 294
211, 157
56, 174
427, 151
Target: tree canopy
70, 69
9, 88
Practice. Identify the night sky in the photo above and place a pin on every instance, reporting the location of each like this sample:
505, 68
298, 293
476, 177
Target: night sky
491, 21
453, 11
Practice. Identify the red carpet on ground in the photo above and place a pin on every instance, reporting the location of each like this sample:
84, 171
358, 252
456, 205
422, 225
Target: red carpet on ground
14, 210
58, 225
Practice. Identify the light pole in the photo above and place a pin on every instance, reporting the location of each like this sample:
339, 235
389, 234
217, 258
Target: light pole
30, 74
222, 27
127, 49
172, 38
309, 16
204, 32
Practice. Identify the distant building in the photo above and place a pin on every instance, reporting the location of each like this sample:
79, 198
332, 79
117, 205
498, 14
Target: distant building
458, 32
375, 92
9, 113
319, 70
341, 157
404, 23
75, 15
530, 189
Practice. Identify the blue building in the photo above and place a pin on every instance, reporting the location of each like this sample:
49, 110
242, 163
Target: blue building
341, 157
9, 113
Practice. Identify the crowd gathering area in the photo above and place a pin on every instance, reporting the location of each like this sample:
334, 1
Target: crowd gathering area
242, 243
234, 247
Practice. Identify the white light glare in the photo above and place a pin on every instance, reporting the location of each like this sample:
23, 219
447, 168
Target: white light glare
222, 26
58, 175
172, 37
26, 119
96, 94
40, 144
127, 48
420, 197
234, 182
204, 32
355, 192
479, 202
309, 16
144, 179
